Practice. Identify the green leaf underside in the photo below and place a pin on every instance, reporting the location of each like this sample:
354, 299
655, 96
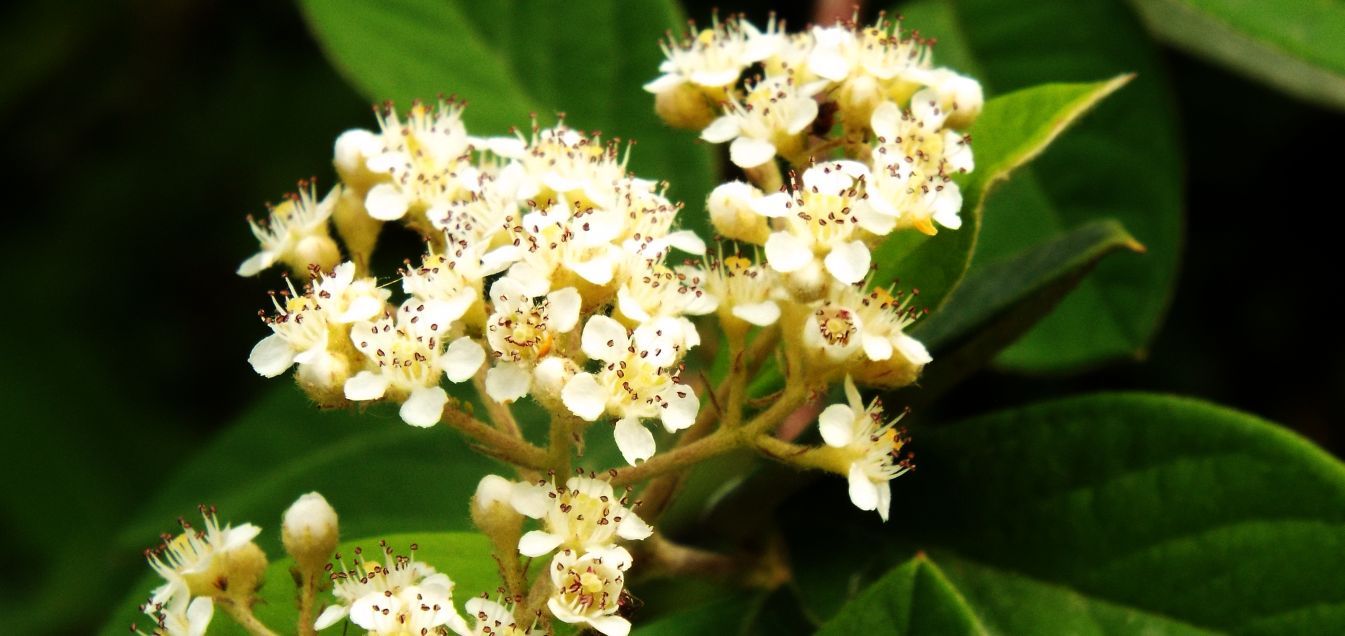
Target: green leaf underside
1121, 162
1292, 45
1011, 131
1158, 507
996, 304
587, 59
463, 556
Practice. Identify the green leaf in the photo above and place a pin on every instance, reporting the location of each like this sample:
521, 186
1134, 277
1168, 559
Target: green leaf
945, 595
1292, 45
1011, 131
996, 304
913, 598
1122, 162
1162, 506
463, 556
586, 58
380, 474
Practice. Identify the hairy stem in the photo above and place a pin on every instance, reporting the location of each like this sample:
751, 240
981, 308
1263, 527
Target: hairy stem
242, 614
308, 594
497, 443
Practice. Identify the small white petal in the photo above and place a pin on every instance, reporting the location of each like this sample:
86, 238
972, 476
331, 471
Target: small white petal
424, 407
256, 263
746, 152
773, 206
634, 440
597, 270
663, 83
863, 492
363, 307
536, 543
913, 350
630, 306
272, 356
604, 339
633, 528
530, 500
493, 489
849, 262
947, 206
506, 382
681, 408
761, 314
199, 613
366, 385
829, 64
385, 203
716, 79
330, 616
563, 309
687, 241
721, 130
805, 111
884, 499
885, 121
837, 425
787, 253
462, 358
925, 108
877, 348
610, 625
584, 396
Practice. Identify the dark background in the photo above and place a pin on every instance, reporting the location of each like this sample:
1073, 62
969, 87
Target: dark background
139, 135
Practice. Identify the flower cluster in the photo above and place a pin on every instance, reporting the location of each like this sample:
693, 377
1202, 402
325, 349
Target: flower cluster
551, 273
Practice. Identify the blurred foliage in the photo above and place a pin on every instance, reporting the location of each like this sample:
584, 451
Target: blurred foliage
142, 133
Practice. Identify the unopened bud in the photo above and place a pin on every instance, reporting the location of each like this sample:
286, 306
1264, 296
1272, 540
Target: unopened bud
310, 532
960, 96
491, 511
314, 249
731, 213
549, 378
352, 153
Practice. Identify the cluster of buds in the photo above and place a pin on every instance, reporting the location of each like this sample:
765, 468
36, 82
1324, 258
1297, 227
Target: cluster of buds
552, 273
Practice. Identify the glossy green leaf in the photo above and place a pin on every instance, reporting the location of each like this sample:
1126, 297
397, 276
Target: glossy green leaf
463, 556
1122, 162
1293, 45
996, 304
1011, 131
379, 473
587, 58
1157, 505
937, 594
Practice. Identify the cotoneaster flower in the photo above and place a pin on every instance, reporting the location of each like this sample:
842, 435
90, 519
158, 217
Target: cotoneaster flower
584, 515
493, 619
398, 596
866, 66
745, 291
523, 330
295, 233
700, 69
176, 613
588, 588
772, 120
872, 450
914, 162
426, 160
637, 380
208, 560
408, 359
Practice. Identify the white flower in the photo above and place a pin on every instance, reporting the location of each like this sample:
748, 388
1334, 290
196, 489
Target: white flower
426, 159
200, 558
177, 613
771, 121
588, 589
561, 162
408, 359
295, 233
822, 218
913, 163
744, 290
873, 449
960, 96
715, 57
522, 331
400, 596
346, 299
637, 380
867, 67
566, 246
654, 293
586, 514
494, 619
866, 330
449, 284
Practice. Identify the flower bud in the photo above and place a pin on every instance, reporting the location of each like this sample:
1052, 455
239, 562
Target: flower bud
310, 532
549, 378
491, 511
351, 156
731, 213
959, 96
